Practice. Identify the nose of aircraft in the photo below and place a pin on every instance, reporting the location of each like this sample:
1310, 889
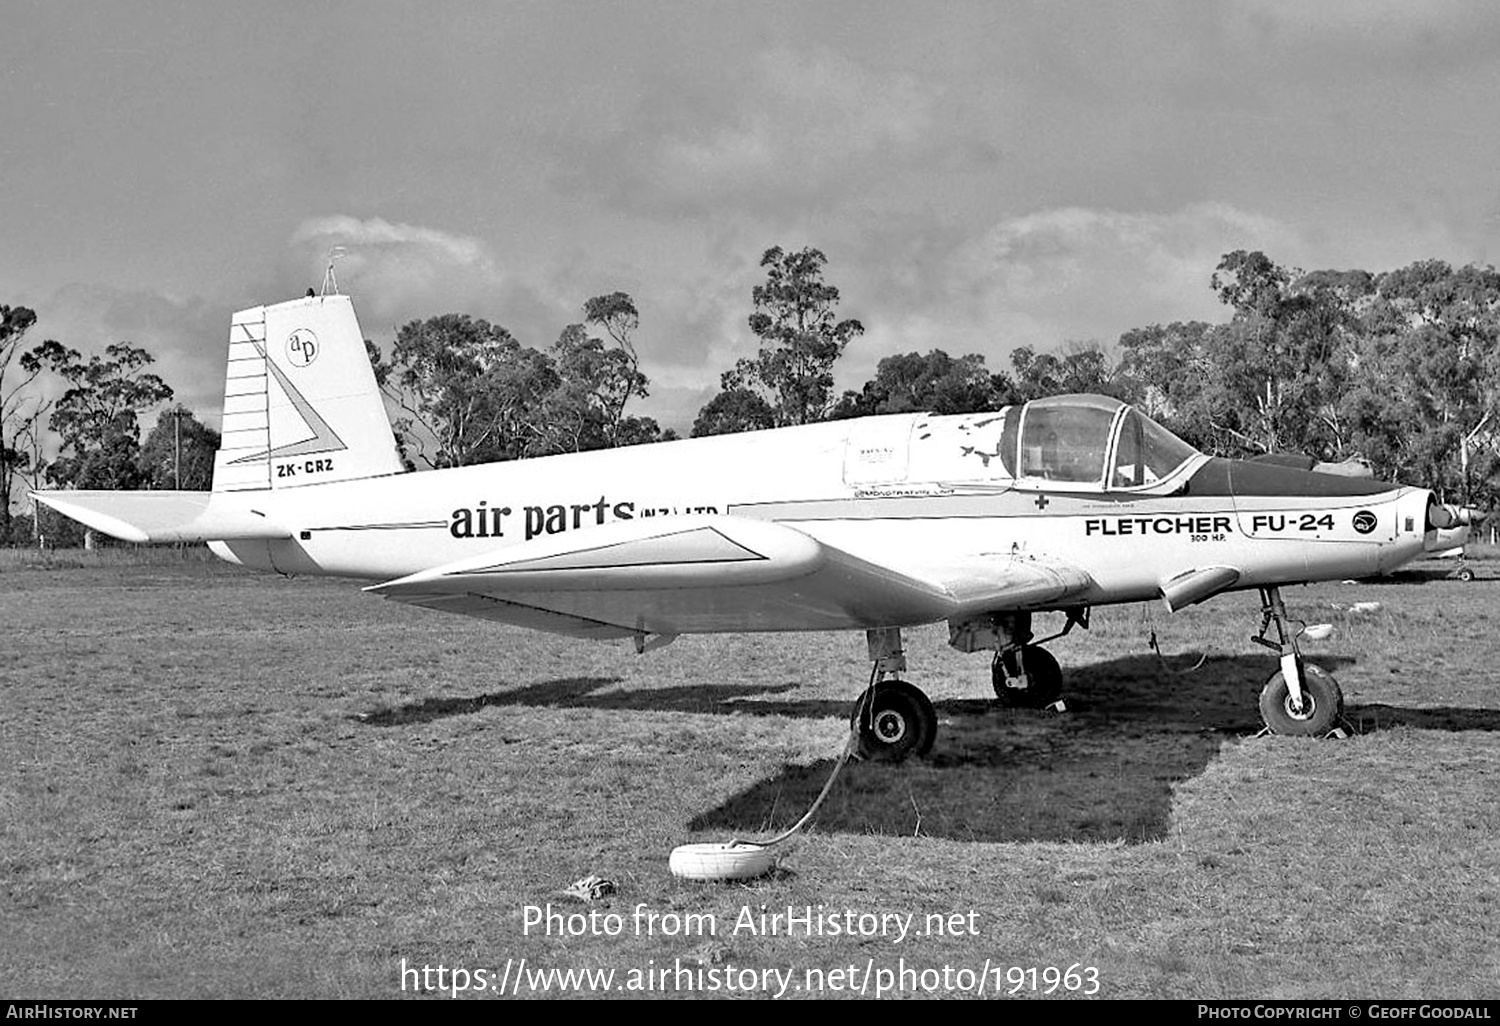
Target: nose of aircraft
1448, 525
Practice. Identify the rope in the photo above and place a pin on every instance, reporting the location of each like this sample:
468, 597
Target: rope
1163, 659
1148, 620
849, 750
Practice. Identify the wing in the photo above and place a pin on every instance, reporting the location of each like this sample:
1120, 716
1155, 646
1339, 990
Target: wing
707, 574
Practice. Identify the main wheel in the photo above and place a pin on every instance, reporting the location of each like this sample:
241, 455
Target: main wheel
1322, 704
894, 720
1026, 678
1465, 574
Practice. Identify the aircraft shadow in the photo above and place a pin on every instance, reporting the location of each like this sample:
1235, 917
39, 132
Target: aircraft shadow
1369, 719
1102, 771
1426, 574
601, 693
1407, 575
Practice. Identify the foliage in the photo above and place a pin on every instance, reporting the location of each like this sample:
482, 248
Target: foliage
734, 410
1402, 367
586, 410
1424, 395
1282, 359
1085, 369
642, 431
936, 383
470, 391
799, 336
1168, 372
20, 410
179, 452
98, 417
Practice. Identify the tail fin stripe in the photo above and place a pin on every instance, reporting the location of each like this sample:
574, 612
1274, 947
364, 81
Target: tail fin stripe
324, 439
256, 386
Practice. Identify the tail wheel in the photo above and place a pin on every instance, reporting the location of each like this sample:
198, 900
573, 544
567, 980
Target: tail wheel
1026, 678
894, 720
1322, 704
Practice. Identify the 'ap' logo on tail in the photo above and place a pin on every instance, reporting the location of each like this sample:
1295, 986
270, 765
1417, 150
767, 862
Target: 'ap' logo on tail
301, 347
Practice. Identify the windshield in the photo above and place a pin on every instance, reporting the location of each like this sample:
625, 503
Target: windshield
1146, 452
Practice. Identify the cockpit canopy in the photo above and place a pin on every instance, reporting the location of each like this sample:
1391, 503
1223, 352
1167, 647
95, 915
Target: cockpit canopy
1076, 438
1063, 443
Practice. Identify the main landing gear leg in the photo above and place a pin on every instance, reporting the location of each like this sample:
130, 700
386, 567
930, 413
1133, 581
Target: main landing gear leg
1024, 675
894, 719
1300, 699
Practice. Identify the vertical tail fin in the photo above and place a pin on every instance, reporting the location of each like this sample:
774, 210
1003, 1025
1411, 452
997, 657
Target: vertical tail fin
301, 405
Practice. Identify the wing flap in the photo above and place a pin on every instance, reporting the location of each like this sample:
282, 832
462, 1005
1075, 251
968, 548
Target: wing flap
992, 582
486, 607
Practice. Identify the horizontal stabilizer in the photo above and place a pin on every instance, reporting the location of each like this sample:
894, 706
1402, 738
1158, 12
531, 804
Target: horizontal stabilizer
163, 516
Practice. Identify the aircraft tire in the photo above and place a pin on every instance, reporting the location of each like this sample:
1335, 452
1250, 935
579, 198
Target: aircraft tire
1323, 704
1466, 574
1044, 686
734, 861
894, 720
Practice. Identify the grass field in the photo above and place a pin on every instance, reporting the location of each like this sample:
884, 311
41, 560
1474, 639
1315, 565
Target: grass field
220, 784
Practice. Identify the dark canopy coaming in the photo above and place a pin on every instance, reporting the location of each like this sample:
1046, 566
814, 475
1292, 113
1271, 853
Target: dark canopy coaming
1221, 476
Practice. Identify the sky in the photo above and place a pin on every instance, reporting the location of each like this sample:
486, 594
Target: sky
981, 176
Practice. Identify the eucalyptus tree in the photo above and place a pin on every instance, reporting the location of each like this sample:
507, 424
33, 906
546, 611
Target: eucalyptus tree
800, 335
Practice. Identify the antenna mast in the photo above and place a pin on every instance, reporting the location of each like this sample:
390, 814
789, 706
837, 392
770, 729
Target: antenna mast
330, 283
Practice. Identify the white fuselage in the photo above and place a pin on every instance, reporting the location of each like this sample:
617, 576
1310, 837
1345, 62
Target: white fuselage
1131, 542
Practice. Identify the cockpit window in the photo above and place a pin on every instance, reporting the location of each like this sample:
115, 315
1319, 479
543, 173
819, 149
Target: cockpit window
1066, 438
1073, 439
1146, 453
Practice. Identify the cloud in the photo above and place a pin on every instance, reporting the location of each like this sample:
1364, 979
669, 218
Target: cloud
377, 233
1367, 37
1070, 252
789, 127
1043, 278
395, 264
1052, 276
399, 272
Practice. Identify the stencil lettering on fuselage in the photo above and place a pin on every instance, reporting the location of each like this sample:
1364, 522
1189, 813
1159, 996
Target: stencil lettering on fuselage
1200, 526
485, 519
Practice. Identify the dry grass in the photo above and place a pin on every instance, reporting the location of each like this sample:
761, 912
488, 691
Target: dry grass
112, 554
218, 784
